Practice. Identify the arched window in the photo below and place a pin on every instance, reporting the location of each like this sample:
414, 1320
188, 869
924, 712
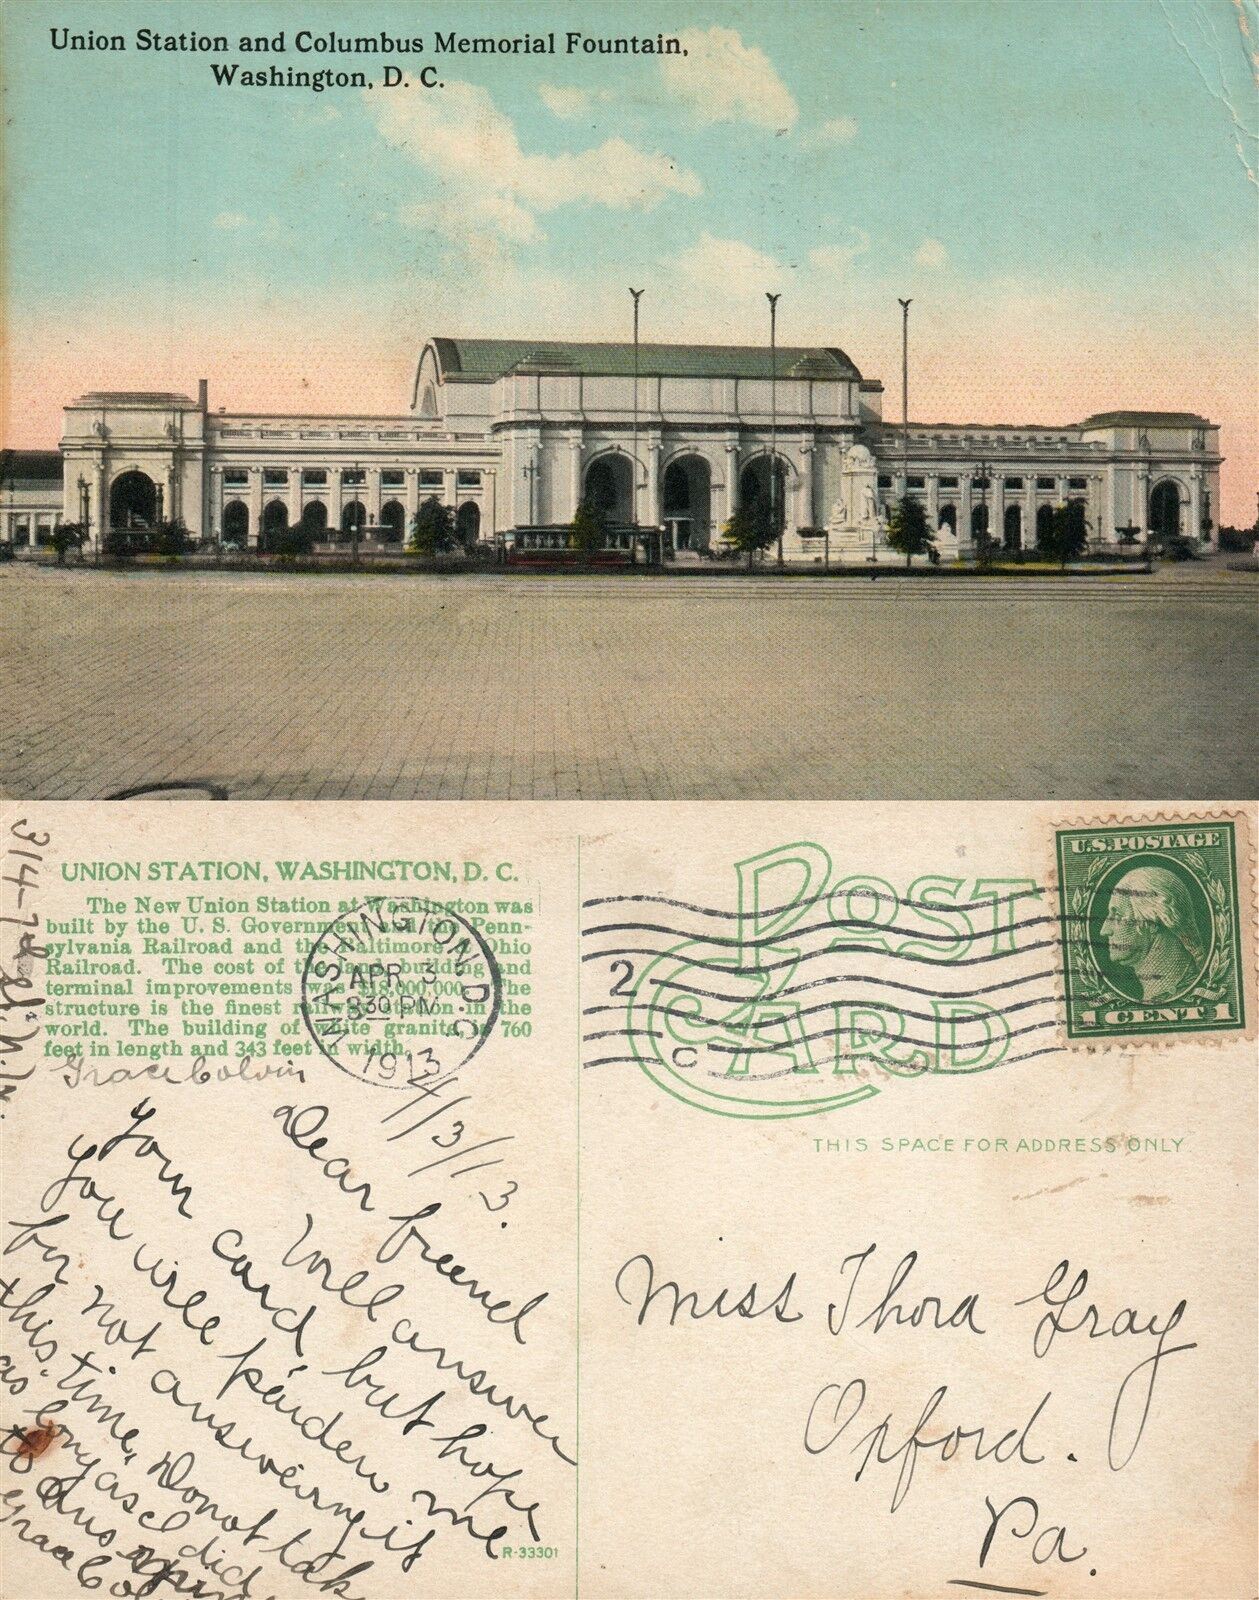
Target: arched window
133, 501
758, 490
236, 523
948, 518
353, 518
1013, 530
687, 502
275, 521
315, 519
609, 487
1165, 511
468, 523
393, 520
1044, 523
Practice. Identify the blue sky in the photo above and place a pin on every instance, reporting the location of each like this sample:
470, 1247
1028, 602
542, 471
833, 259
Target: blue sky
1055, 181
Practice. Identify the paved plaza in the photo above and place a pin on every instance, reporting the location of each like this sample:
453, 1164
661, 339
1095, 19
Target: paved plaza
629, 687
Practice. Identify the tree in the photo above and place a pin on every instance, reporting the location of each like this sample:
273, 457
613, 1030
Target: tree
169, 539
67, 536
1062, 536
587, 530
292, 540
750, 529
910, 533
433, 529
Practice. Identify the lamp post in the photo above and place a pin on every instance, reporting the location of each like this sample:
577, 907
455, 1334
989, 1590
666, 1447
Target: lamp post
773, 421
983, 470
636, 295
905, 305
354, 518
85, 517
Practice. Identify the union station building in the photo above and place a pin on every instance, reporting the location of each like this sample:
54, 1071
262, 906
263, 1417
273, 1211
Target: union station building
513, 434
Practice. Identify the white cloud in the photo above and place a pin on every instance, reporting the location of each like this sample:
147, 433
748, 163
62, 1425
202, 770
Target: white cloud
727, 268
834, 260
231, 220
931, 253
722, 79
472, 150
565, 103
838, 130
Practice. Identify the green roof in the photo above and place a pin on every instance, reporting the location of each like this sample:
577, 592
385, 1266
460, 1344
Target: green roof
1146, 419
484, 360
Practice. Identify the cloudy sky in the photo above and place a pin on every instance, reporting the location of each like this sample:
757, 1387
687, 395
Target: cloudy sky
1067, 188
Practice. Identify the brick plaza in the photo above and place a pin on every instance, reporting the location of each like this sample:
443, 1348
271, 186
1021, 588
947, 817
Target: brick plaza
342, 686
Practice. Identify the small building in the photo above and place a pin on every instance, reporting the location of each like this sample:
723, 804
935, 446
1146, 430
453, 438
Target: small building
30, 497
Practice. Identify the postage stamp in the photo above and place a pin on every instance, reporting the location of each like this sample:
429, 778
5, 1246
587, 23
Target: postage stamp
395, 991
1154, 921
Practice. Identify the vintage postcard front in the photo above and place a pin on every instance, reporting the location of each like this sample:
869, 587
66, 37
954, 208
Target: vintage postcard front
620, 1201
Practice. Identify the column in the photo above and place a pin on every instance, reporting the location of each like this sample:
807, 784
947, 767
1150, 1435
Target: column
732, 485
411, 494
996, 511
1141, 511
101, 492
1029, 512
653, 483
256, 503
933, 500
373, 498
964, 536
294, 496
449, 486
574, 473
1195, 506
1107, 520
804, 492
336, 497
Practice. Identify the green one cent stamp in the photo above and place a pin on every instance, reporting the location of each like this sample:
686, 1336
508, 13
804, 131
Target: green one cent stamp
1151, 921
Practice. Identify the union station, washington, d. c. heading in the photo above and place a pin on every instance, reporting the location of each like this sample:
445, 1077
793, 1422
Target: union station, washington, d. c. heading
514, 434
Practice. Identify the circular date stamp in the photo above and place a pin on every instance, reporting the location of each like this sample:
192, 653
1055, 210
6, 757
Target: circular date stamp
399, 990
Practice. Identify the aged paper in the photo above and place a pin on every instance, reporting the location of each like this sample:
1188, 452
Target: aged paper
627, 1201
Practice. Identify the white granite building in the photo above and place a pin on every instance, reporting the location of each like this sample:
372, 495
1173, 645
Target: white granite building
513, 434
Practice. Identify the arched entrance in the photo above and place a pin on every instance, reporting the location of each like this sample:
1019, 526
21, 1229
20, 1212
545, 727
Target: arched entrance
314, 520
979, 523
948, 518
1165, 511
353, 519
275, 521
1076, 519
393, 519
236, 523
133, 501
1013, 529
468, 524
609, 487
1044, 525
688, 502
763, 493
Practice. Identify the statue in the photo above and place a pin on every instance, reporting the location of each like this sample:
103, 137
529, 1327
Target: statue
869, 505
